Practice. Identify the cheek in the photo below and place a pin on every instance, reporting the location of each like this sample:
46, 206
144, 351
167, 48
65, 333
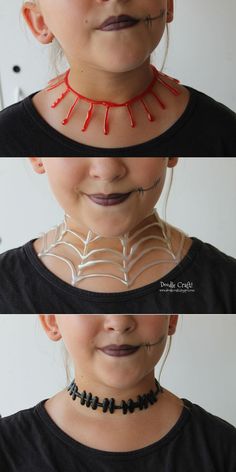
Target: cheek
73, 13
65, 178
153, 327
148, 169
148, 173
78, 333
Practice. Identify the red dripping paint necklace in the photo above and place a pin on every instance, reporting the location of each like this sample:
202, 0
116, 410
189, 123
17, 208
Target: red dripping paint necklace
157, 77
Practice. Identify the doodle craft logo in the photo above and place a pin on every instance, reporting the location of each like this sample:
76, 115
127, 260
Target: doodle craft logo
180, 287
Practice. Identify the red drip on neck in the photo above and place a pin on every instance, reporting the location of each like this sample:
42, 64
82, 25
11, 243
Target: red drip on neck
88, 118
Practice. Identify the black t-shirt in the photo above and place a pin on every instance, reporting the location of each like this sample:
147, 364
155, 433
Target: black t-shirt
206, 128
203, 282
199, 442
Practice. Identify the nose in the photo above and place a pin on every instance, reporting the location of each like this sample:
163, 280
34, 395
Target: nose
121, 324
108, 169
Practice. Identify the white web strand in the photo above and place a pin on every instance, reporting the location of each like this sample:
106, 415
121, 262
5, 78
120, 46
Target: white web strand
123, 260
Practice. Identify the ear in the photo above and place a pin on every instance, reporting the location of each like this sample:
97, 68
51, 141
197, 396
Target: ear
50, 326
34, 19
170, 11
37, 165
172, 161
172, 324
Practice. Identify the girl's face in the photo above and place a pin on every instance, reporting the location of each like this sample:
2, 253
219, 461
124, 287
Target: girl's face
77, 26
85, 335
74, 180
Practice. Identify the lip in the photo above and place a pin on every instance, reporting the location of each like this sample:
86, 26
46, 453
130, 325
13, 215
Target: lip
109, 200
114, 23
119, 351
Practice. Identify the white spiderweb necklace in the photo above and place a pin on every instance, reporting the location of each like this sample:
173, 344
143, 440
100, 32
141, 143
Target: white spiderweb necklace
121, 261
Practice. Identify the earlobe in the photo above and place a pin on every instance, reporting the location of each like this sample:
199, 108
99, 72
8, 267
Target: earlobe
37, 165
170, 11
35, 21
50, 327
172, 161
172, 324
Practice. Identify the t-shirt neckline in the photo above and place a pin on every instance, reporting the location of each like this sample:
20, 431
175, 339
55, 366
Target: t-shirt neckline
185, 415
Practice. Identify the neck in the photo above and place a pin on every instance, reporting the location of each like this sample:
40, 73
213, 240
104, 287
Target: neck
110, 86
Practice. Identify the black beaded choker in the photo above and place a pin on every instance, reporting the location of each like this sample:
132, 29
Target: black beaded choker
143, 401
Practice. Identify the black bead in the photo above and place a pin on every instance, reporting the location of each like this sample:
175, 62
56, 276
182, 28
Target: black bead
145, 402
71, 388
112, 405
88, 399
94, 403
140, 401
73, 391
130, 405
105, 404
151, 397
124, 407
83, 397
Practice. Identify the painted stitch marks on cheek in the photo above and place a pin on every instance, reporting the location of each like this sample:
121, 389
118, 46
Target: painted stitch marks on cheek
141, 190
149, 19
148, 345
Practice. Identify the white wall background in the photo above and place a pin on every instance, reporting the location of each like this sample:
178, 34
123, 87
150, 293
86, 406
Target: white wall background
202, 50
200, 367
202, 202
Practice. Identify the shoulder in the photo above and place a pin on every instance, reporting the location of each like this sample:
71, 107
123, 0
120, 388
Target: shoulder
15, 420
212, 255
12, 115
216, 109
15, 124
213, 125
210, 438
13, 257
211, 425
16, 425
16, 275
17, 433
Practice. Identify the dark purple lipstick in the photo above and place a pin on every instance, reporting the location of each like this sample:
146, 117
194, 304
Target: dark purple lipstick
114, 23
109, 200
119, 351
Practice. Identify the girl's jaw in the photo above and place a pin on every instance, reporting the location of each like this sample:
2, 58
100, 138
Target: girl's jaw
74, 180
85, 336
89, 38
78, 182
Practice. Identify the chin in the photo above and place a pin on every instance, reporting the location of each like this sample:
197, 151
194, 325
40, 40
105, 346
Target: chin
123, 67
125, 60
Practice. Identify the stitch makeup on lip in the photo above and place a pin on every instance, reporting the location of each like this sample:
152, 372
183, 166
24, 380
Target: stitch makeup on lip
141, 190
